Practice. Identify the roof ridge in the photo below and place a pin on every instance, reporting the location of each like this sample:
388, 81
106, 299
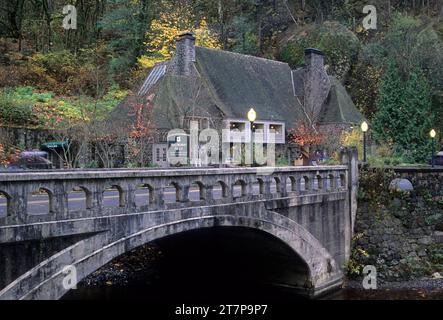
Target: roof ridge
243, 55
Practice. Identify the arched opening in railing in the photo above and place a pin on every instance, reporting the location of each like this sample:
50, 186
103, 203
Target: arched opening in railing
258, 187
197, 191
318, 183
113, 197
40, 202
239, 189
5, 204
172, 193
291, 184
330, 182
276, 186
79, 198
273, 186
304, 184
144, 195
341, 181
219, 190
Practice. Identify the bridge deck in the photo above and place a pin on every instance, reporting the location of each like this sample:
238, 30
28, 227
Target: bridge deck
162, 189
94, 216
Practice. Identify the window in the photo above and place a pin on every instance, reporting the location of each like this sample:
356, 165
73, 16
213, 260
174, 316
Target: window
203, 122
238, 126
278, 128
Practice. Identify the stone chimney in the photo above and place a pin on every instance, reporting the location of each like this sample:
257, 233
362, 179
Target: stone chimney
184, 55
316, 83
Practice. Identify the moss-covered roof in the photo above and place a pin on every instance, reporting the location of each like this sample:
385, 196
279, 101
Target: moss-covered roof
177, 96
339, 107
239, 82
174, 97
228, 84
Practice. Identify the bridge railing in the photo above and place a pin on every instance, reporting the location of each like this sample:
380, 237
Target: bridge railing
79, 194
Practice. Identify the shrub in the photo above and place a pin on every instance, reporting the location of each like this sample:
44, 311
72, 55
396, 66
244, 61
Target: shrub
14, 111
374, 187
25, 106
357, 260
353, 138
282, 162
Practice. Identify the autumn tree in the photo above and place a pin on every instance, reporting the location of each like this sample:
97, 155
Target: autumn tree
76, 143
173, 21
306, 136
8, 154
140, 131
106, 143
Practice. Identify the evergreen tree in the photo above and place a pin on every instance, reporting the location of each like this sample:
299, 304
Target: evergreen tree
419, 118
390, 103
404, 116
125, 24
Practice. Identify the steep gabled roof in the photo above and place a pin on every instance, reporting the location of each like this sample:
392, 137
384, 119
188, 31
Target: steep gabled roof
177, 96
339, 107
227, 85
156, 73
239, 82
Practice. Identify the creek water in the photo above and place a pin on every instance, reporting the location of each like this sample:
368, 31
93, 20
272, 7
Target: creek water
236, 294
215, 266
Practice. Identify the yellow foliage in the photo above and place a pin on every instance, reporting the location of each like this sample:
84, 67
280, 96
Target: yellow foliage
353, 138
165, 30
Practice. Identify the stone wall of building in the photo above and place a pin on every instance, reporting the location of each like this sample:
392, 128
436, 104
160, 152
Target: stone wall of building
25, 138
400, 232
33, 139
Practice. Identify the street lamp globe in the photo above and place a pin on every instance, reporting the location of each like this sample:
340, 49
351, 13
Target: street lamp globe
252, 115
433, 133
364, 126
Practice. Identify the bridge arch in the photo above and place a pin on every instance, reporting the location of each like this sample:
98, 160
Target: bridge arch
90, 254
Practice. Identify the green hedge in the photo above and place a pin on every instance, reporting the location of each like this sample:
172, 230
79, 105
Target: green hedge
14, 111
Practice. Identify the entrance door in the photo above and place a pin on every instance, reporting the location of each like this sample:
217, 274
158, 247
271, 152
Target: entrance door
160, 155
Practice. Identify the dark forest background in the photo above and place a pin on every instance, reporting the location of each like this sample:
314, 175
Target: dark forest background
52, 77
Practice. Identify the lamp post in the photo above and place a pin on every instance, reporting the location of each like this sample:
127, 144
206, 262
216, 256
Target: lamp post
433, 134
364, 128
252, 116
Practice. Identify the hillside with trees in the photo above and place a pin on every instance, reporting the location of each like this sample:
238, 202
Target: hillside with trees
51, 77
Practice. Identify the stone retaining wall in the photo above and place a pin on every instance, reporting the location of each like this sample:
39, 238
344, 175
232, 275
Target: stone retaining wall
403, 236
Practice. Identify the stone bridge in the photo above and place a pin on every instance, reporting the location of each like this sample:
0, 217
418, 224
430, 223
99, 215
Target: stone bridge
310, 209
